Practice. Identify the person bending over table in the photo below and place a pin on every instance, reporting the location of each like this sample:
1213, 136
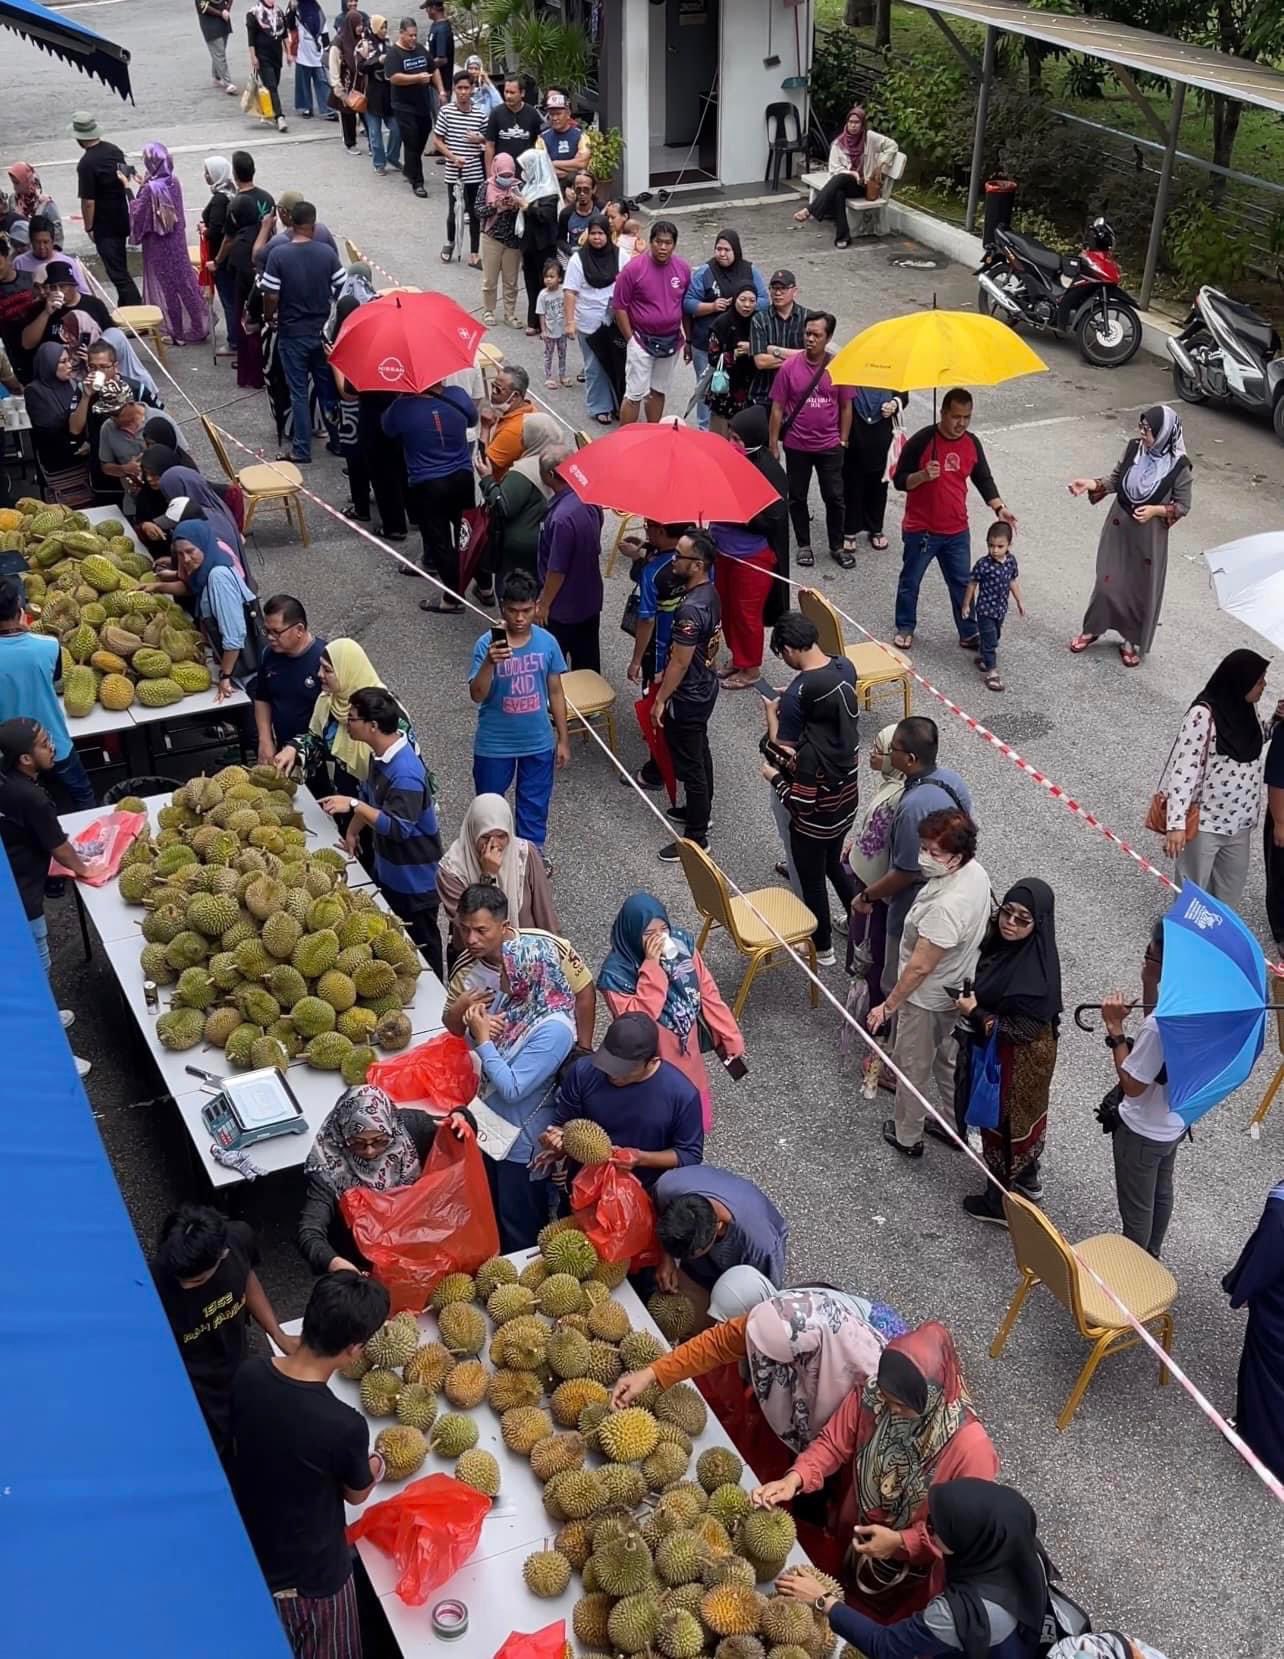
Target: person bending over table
709, 1220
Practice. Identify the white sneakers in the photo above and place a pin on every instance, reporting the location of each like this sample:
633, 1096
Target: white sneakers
83, 1067
67, 1019
280, 124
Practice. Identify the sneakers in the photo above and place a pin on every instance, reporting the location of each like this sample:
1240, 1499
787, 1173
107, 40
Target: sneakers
420, 191
933, 1128
982, 1207
676, 814
1031, 1188
825, 958
889, 1135
67, 1017
280, 124
83, 1067
669, 854
230, 88
512, 322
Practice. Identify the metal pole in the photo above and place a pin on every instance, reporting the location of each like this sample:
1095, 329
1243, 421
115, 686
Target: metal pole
978, 137
1161, 195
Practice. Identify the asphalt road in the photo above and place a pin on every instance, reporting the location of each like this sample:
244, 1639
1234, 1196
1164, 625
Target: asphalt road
1156, 1524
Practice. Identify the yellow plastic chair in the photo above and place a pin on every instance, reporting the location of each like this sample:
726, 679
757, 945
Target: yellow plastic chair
281, 482
875, 665
720, 907
590, 698
1268, 1099
628, 522
354, 253
1145, 1287
144, 320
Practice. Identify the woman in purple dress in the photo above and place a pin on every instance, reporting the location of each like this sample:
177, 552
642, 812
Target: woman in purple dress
157, 222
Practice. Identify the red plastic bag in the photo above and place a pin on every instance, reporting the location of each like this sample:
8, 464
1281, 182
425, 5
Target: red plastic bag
549, 1643
439, 1072
414, 1236
103, 844
615, 1213
429, 1529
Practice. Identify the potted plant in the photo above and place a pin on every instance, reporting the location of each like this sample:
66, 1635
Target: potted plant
606, 153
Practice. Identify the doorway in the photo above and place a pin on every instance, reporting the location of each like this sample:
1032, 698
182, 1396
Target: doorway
683, 51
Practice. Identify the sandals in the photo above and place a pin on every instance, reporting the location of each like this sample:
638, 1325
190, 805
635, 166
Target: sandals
902, 641
474, 262
447, 253
1129, 656
850, 544
802, 215
993, 681
878, 541
551, 383
805, 557
436, 607
605, 420
1081, 642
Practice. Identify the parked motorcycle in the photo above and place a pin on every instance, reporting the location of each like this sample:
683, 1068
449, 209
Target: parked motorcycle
1020, 280
1227, 353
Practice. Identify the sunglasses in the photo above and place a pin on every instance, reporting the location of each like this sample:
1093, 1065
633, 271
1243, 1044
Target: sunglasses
1014, 913
369, 1143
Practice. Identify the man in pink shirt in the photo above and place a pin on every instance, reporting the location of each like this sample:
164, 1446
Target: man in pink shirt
812, 418
648, 312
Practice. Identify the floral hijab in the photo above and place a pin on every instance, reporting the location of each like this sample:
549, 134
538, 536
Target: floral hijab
363, 1110
894, 1466
807, 1351
623, 965
537, 991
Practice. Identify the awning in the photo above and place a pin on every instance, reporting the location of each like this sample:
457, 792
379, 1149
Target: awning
71, 41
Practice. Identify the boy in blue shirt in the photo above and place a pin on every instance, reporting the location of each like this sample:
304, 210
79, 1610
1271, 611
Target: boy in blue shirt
988, 587
516, 681
31, 689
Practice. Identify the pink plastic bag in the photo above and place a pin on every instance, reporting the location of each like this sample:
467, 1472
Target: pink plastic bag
429, 1528
549, 1643
615, 1213
438, 1071
103, 844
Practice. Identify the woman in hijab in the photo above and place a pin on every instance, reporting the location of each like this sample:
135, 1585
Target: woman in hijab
519, 1040
348, 74
908, 1429
589, 286
858, 159
488, 852
519, 501
1257, 1282
222, 188
541, 199
730, 360
501, 241
710, 294
157, 221
205, 574
868, 855
365, 1142
818, 781
995, 1589
1016, 1003
1152, 490
58, 406
333, 762
31, 199
307, 21
654, 968
164, 470
382, 132
874, 417
265, 27
1216, 764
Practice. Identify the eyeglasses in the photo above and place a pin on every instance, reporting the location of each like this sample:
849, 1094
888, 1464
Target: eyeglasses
280, 633
369, 1143
1014, 913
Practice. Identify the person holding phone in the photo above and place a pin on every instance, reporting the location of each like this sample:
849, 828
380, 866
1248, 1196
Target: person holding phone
58, 402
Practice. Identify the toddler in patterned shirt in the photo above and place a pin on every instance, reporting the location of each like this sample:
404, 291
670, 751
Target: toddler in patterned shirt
993, 578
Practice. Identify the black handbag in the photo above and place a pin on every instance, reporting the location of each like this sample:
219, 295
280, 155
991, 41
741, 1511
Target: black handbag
1107, 1114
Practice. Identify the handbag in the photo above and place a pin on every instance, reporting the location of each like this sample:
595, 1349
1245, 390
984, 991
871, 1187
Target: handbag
985, 1085
1157, 814
355, 101
894, 448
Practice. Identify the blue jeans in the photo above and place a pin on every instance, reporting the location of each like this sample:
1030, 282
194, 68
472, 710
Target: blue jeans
310, 84
225, 287
70, 773
301, 357
492, 775
599, 395
990, 629
700, 362
954, 555
40, 933
385, 140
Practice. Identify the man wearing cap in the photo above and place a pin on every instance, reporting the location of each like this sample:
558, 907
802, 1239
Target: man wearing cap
441, 48
104, 203
776, 334
283, 218
565, 142
647, 1107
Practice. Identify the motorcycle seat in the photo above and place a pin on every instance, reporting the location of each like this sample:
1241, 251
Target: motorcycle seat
1256, 328
1047, 259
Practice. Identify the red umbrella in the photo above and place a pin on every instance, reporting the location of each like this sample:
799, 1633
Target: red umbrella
405, 342
672, 473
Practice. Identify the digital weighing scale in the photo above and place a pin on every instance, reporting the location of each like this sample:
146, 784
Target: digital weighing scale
256, 1106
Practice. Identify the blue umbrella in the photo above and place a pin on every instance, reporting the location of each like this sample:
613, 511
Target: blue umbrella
1212, 1002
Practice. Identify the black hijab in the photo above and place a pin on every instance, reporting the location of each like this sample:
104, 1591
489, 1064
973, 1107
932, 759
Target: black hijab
726, 280
830, 726
1023, 976
990, 1532
601, 266
1239, 731
731, 328
772, 523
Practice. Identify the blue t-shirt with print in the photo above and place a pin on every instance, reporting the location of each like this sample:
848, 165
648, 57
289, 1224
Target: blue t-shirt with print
562, 146
994, 579
513, 718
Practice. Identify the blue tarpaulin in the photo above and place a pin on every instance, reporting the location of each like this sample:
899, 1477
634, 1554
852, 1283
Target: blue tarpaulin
74, 42
119, 1534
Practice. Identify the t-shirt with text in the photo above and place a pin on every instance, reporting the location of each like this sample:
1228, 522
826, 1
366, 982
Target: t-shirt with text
939, 505
651, 295
513, 718
413, 100
818, 403
210, 1325
512, 131
698, 623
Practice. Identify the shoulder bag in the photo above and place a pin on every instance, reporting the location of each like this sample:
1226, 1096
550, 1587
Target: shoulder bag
801, 404
1157, 815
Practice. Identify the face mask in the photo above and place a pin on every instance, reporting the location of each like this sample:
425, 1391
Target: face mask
934, 867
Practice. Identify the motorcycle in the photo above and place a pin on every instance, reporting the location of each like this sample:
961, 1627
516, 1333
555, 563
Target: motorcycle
1020, 280
1229, 354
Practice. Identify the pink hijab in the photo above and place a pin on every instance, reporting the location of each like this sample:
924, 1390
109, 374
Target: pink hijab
854, 148
807, 1351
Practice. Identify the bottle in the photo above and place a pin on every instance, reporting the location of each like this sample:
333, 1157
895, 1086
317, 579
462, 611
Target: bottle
151, 996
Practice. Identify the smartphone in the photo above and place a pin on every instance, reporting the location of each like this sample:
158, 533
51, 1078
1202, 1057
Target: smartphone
736, 1067
499, 636
764, 688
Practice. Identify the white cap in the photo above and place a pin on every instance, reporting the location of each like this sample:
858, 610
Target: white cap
555, 100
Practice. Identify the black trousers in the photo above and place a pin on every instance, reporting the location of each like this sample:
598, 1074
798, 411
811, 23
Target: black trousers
437, 505
270, 81
1274, 860
385, 463
111, 250
468, 208
579, 642
864, 487
420, 916
816, 862
832, 199
415, 133
688, 742
359, 481
350, 124
827, 464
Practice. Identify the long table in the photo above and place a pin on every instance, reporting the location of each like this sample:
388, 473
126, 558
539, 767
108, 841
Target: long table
491, 1582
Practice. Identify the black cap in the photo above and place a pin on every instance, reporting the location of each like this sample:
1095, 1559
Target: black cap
631, 1041
782, 279
58, 271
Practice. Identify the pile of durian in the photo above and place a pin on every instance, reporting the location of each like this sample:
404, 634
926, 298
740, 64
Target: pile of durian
673, 1561
119, 644
266, 952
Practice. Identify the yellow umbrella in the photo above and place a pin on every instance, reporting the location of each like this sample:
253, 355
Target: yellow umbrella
934, 349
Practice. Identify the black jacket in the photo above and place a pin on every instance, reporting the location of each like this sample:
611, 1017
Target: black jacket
323, 1233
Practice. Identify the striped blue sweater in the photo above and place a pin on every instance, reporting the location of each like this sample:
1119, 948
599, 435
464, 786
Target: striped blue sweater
407, 836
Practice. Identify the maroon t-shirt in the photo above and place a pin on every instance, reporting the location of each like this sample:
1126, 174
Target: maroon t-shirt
940, 506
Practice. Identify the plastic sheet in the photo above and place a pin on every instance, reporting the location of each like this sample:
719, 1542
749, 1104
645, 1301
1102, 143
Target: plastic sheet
615, 1213
103, 844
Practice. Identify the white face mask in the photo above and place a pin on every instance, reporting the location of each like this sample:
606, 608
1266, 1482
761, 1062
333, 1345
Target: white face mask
933, 867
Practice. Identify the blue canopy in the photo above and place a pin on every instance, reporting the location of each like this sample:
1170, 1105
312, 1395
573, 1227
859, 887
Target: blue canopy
75, 43
121, 1537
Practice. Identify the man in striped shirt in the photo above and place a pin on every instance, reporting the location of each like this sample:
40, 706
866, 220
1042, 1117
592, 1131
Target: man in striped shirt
457, 135
776, 334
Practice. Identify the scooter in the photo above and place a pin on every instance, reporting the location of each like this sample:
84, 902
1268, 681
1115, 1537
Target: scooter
1231, 355
1020, 280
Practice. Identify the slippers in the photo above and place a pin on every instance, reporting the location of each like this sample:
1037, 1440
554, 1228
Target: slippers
447, 253
993, 682
972, 644
902, 641
878, 541
435, 608
605, 420
1081, 642
1129, 657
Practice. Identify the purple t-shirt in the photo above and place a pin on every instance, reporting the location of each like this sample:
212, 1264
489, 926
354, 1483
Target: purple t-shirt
756, 1236
815, 427
651, 295
570, 542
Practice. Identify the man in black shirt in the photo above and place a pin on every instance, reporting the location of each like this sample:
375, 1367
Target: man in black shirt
204, 1274
298, 1453
513, 125
441, 48
409, 73
104, 203
289, 679
249, 207
689, 688
30, 832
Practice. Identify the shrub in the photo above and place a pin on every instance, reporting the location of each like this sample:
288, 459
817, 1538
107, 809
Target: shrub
840, 77
1200, 247
927, 106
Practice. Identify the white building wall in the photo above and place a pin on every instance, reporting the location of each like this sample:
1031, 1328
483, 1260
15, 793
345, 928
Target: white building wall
635, 120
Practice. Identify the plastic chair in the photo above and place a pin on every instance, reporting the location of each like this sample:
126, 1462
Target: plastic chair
281, 481
1268, 1099
1145, 1287
875, 665
782, 121
628, 522
720, 907
146, 321
589, 697
354, 253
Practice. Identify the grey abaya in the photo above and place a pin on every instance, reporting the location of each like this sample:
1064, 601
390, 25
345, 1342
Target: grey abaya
1132, 558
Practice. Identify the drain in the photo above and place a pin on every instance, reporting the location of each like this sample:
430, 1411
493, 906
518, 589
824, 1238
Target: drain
916, 264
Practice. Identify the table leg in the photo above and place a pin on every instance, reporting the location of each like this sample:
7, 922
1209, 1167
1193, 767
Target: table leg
84, 924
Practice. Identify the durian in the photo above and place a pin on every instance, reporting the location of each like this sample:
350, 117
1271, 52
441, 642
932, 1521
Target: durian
392, 1344
466, 1383
453, 1435
586, 1142
379, 1391
546, 1573
403, 1450
462, 1327
523, 1427
480, 1470
628, 1436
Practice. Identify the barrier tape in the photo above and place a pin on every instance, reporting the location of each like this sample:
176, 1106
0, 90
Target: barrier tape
1272, 1482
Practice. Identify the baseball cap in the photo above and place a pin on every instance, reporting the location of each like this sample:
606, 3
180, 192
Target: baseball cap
58, 271
555, 100
19, 233
782, 279
631, 1041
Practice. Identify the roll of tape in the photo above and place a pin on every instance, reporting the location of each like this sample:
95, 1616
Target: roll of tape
450, 1620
